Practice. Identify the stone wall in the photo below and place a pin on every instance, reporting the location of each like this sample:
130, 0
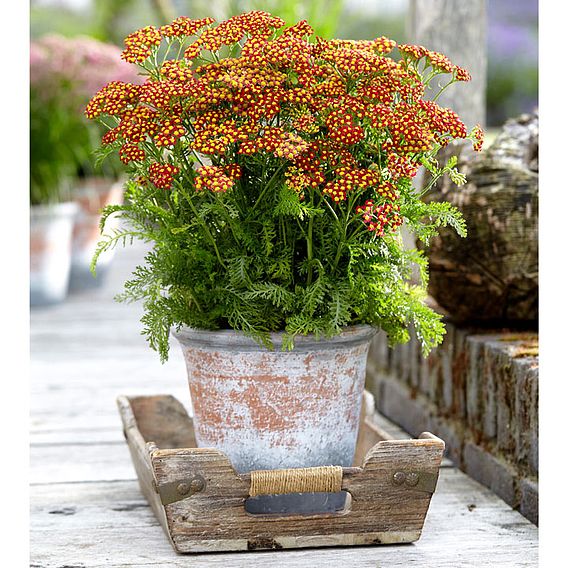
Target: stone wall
479, 393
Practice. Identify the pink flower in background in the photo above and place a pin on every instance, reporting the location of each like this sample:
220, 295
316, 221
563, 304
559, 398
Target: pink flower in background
80, 66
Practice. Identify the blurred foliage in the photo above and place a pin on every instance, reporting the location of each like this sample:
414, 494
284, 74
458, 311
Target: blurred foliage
358, 24
57, 142
322, 15
112, 20
62, 143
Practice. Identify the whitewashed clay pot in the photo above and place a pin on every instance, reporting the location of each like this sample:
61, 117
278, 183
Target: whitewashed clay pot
91, 197
277, 409
51, 227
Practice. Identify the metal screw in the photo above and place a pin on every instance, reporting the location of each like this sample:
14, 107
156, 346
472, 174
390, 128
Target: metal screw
412, 479
197, 484
399, 477
183, 488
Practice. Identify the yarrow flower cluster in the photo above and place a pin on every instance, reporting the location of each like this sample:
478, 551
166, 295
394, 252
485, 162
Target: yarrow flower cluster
215, 178
380, 218
162, 175
261, 137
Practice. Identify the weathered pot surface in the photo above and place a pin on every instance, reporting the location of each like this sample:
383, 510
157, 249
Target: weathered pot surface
277, 409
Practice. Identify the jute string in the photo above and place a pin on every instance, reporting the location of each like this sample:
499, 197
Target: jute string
326, 479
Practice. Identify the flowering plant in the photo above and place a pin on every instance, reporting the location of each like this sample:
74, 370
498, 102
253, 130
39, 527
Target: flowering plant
64, 74
272, 173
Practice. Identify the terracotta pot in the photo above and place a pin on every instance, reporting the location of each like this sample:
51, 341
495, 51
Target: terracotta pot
51, 227
277, 409
91, 196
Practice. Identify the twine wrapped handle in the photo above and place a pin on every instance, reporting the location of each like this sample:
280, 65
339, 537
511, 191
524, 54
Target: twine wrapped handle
325, 479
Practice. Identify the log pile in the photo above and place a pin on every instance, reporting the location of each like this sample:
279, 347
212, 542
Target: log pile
492, 275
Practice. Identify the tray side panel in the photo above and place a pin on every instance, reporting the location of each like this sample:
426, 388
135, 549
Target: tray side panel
162, 419
213, 518
381, 510
141, 461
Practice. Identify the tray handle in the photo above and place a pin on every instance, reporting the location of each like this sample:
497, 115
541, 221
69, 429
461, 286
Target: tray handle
325, 479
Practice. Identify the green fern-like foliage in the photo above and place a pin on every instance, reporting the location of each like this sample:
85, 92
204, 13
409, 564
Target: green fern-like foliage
251, 272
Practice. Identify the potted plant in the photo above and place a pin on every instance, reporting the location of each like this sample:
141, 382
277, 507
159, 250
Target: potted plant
272, 173
64, 74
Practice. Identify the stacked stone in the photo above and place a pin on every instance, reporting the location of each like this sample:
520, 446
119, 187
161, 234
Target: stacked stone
478, 392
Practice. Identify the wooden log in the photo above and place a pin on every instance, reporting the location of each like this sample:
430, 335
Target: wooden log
492, 275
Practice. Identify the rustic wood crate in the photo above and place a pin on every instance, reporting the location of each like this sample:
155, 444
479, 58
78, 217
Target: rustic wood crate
199, 499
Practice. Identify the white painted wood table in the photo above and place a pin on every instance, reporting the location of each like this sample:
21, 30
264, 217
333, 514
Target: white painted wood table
87, 509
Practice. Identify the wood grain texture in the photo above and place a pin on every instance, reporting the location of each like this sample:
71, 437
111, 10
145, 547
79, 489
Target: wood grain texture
102, 524
492, 275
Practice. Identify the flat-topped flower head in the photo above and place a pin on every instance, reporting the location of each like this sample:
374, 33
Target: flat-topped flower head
184, 26
478, 135
414, 51
462, 74
140, 43
162, 175
215, 178
112, 99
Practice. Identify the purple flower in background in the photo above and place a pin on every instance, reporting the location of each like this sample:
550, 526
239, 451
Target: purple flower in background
512, 82
513, 11
510, 42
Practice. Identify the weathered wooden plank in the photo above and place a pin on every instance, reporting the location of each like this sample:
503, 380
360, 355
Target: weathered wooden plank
76, 376
109, 524
100, 423
74, 463
77, 436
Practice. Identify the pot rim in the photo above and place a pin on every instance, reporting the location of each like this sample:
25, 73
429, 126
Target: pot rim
231, 339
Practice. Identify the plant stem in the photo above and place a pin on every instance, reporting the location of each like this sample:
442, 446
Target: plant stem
203, 223
309, 242
267, 186
443, 89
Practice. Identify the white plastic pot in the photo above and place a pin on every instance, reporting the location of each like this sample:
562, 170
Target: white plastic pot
51, 227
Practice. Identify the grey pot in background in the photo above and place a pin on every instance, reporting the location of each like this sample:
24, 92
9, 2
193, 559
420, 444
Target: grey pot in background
92, 195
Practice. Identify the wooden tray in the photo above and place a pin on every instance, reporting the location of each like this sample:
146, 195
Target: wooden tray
199, 499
